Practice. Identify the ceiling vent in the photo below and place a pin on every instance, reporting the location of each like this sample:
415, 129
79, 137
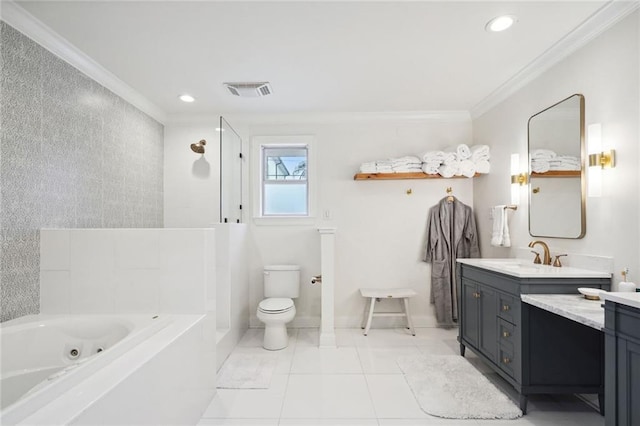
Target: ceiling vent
249, 89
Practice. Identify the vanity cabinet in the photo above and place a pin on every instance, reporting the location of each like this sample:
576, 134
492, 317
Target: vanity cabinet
622, 364
534, 350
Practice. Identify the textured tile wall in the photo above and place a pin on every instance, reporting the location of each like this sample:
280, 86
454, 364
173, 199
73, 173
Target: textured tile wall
72, 155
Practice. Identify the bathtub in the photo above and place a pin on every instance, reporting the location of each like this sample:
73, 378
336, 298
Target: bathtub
77, 369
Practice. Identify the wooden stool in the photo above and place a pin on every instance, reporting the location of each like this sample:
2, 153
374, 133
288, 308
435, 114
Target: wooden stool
386, 293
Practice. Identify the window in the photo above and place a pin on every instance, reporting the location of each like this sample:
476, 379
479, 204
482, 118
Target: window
285, 189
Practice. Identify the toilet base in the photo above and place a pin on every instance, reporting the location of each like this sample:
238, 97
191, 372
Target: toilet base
275, 337
275, 329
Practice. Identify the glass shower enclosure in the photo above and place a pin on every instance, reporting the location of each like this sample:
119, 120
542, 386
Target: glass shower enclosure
231, 159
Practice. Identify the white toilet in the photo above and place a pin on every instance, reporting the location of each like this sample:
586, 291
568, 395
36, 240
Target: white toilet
281, 284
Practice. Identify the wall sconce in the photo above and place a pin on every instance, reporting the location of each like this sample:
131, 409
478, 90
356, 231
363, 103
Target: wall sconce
599, 159
517, 179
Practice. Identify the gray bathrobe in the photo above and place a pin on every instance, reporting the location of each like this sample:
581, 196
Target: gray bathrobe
451, 234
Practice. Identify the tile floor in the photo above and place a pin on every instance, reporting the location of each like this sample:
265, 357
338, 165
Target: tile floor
359, 384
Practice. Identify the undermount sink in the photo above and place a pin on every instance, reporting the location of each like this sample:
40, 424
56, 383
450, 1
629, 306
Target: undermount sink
527, 269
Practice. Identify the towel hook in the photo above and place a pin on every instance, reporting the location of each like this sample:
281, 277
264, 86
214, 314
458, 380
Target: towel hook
450, 197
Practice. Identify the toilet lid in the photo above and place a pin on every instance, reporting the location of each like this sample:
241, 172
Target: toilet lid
275, 304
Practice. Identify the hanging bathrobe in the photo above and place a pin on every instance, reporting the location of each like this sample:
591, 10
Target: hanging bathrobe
451, 234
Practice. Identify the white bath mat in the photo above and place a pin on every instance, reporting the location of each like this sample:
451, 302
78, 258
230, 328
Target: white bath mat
449, 386
247, 371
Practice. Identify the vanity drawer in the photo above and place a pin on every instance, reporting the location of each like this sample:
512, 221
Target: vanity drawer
508, 308
506, 333
506, 360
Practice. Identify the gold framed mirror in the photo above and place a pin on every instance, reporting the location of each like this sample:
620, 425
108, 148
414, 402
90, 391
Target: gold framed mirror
557, 184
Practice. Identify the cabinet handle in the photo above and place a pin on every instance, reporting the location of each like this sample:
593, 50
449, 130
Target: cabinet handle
476, 295
506, 307
506, 360
505, 334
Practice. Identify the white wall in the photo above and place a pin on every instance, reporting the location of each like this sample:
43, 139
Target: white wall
191, 181
380, 229
606, 72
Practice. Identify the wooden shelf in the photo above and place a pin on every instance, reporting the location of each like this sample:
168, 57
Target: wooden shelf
401, 176
557, 174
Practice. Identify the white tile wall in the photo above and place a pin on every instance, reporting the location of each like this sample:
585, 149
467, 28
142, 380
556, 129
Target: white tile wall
127, 270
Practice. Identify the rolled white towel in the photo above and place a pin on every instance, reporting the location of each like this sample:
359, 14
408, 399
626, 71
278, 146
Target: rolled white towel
431, 168
483, 166
462, 151
543, 154
433, 156
480, 152
449, 170
450, 158
467, 168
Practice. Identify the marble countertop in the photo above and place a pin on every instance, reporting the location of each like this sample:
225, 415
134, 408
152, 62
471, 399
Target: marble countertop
526, 269
629, 299
572, 306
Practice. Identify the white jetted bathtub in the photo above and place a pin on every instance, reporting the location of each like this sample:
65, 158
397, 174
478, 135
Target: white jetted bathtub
67, 369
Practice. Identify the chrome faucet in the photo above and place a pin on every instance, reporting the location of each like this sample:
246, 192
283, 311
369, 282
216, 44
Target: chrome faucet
545, 247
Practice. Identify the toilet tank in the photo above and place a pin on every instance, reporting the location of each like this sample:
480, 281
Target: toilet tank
282, 281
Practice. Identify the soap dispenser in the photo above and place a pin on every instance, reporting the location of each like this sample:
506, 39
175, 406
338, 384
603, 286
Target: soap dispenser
625, 285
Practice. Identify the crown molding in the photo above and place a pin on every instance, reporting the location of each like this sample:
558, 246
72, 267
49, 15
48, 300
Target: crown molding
320, 118
601, 20
36, 30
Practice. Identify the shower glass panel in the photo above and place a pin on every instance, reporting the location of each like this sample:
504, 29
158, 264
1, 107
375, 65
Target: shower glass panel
230, 174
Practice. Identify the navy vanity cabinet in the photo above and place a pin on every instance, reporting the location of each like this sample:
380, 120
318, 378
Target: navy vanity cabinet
534, 350
622, 364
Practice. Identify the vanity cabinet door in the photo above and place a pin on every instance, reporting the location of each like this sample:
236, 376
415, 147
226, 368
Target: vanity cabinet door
488, 322
469, 312
628, 383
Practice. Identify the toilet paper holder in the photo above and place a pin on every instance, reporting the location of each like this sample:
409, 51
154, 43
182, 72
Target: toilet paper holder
316, 279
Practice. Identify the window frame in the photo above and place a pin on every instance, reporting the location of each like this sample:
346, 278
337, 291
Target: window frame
258, 172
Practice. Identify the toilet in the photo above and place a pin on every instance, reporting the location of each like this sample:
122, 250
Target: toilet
281, 284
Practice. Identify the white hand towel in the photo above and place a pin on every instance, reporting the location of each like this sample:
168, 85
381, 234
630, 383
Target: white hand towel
483, 166
479, 152
467, 168
462, 151
431, 168
449, 170
500, 232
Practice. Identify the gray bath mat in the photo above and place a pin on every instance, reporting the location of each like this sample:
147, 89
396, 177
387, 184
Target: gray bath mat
450, 387
247, 371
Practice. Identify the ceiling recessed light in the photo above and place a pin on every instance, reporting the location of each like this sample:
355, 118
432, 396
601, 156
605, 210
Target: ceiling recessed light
500, 23
186, 98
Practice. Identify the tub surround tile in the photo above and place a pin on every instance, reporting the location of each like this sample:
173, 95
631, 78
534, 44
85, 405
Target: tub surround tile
136, 291
138, 249
68, 148
55, 292
54, 250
